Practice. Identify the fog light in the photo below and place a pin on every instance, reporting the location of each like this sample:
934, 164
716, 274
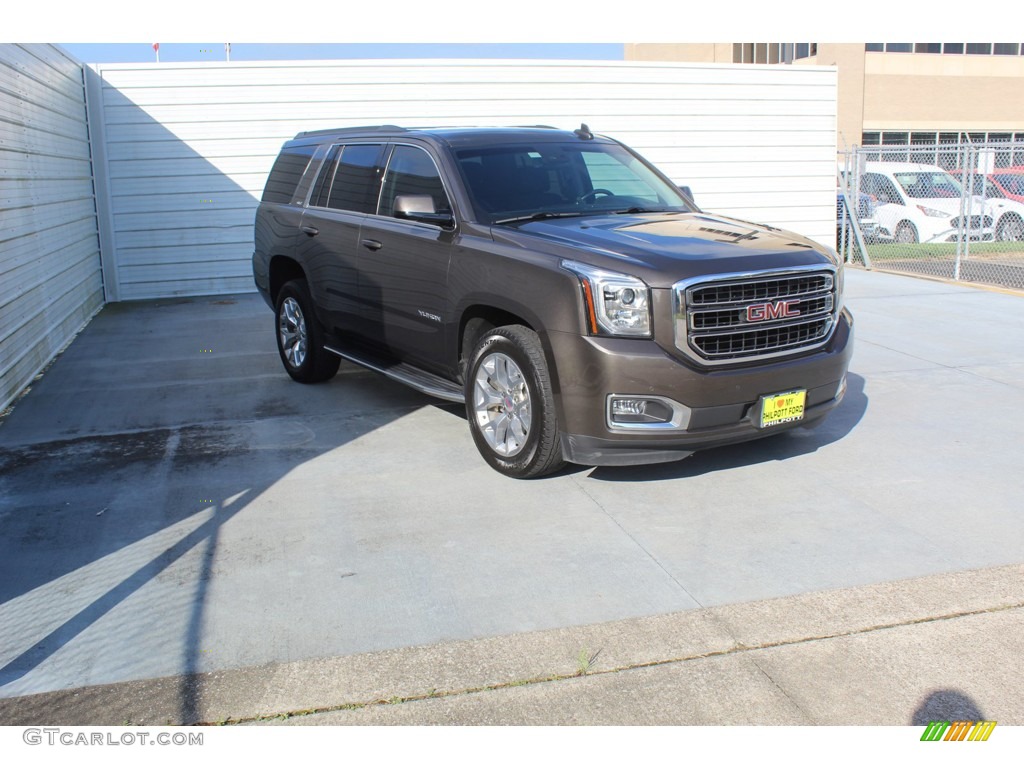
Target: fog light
638, 410
624, 407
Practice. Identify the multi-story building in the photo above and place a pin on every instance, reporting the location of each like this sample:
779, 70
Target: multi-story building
896, 93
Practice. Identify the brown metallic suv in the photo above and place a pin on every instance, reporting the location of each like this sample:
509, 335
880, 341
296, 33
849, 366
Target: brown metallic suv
566, 291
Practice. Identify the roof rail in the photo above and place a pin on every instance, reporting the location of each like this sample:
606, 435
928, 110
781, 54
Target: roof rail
352, 129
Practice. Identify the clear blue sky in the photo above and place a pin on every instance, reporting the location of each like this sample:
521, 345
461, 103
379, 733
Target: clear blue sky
105, 53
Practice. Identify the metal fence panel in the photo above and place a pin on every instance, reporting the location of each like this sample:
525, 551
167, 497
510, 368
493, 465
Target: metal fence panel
953, 211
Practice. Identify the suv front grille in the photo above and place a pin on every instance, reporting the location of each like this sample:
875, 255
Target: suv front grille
730, 319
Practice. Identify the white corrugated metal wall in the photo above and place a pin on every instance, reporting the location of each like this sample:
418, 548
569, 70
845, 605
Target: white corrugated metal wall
188, 146
50, 283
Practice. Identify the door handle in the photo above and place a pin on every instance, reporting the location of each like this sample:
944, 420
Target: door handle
311, 231
373, 245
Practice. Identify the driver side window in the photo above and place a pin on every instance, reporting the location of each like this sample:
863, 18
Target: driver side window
411, 172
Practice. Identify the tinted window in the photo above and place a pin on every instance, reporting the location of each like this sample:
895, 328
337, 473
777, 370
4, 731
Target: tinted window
286, 173
411, 171
879, 187
355, 182
570, 177
926, 184
323, 182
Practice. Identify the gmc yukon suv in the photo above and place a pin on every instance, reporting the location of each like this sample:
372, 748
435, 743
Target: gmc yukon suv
576, 300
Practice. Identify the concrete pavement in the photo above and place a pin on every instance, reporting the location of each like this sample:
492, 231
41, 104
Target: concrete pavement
905, 653
174, 509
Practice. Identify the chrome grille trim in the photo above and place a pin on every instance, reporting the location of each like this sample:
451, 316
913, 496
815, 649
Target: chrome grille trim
713, 324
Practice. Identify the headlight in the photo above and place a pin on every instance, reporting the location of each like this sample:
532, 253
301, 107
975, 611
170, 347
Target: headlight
616, 304
932, 212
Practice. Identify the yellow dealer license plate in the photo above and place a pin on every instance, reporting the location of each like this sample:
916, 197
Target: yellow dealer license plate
783, 408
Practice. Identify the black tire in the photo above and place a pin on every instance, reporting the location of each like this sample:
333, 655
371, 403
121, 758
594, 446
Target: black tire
905, 233
1010, 229
300, 339
510, 406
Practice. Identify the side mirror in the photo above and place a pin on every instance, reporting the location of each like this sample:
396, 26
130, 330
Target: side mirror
421, 208
688, 193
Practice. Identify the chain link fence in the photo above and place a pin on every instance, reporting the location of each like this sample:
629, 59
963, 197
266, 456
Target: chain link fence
954, 211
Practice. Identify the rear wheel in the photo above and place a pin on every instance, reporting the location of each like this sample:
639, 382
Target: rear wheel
300, 337
510, 405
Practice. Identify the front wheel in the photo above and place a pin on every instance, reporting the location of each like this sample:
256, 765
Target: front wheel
905, 233
300, 338
510, 405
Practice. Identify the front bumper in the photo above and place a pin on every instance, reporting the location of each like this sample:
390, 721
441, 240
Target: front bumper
722, 404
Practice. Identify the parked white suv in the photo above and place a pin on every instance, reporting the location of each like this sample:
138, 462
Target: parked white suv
922, 204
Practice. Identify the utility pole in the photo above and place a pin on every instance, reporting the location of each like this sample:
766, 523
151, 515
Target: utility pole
227, 51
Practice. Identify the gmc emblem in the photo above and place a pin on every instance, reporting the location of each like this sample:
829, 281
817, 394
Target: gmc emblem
773, 310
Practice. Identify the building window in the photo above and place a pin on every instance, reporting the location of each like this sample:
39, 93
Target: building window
895, 137
943, 148
982, 49
771, 53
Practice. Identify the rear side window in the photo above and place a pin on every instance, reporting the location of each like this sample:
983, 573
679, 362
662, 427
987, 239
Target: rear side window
286, 173
355, 182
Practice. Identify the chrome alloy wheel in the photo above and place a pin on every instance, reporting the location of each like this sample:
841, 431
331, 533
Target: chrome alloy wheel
501, 404
291, 325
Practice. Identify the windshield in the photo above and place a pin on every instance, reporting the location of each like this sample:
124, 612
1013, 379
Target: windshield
510, 183
929, 184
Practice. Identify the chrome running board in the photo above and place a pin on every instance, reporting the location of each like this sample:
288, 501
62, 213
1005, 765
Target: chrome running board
420, 380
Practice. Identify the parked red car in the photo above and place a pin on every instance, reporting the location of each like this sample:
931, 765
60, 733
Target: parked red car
1010, 182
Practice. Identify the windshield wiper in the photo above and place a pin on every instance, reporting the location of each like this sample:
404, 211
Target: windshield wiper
542, 215
637, 209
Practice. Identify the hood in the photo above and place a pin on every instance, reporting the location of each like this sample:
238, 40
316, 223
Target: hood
662, 248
